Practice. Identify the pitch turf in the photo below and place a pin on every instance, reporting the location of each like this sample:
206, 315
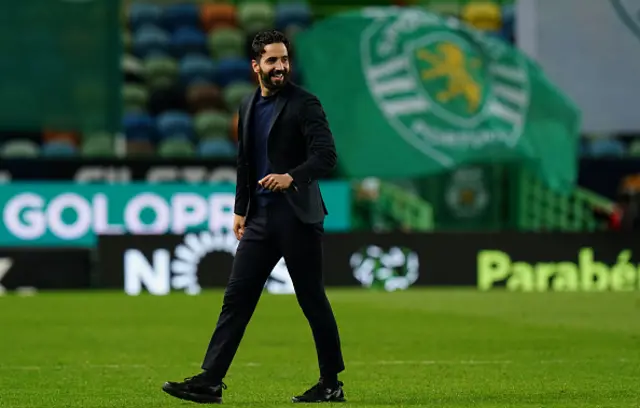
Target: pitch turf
438, 348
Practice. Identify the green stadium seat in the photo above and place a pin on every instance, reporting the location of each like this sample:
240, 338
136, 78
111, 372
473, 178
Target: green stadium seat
176, 148
212, 125
135, 97
132, 66
226, 42
19, 148
254, 17
160, 72
98, 145
235, 92
634, 148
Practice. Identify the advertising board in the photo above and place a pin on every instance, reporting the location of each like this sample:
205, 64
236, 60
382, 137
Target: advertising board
71, 215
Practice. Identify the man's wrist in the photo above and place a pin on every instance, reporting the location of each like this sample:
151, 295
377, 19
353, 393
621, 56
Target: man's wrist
292, 183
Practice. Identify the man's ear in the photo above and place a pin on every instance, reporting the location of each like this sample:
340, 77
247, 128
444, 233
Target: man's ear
255, 66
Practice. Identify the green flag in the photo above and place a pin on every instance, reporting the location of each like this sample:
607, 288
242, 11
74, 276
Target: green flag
410, 93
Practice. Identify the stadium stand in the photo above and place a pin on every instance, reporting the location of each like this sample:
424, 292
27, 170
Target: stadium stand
193, 57
187, 66
186, 70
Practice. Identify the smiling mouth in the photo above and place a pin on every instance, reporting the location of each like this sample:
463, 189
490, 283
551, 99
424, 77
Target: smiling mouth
278, 77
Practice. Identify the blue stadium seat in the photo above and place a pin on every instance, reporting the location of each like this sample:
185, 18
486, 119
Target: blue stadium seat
230, 70
217, 148
508, 23
584, 148
606, 147
151, 40
292, 14
138, 127
143, 13
175, 125
197, 68
180, 15
188, 40
58, 149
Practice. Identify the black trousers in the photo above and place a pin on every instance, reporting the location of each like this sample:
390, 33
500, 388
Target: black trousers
273, 232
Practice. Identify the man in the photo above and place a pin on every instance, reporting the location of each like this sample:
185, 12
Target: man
284, 147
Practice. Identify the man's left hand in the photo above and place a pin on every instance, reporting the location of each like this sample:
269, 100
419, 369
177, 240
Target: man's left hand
276, 182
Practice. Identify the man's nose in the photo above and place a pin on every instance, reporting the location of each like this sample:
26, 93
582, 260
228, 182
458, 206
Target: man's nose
280, 66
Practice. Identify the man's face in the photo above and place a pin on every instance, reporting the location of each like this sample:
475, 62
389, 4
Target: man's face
273, 68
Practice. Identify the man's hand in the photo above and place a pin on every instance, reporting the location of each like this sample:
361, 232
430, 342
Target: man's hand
276, 182
238, 225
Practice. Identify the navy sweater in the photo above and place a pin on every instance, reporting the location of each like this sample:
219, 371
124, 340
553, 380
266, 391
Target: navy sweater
262, 115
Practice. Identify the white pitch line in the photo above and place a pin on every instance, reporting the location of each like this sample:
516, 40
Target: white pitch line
357, 363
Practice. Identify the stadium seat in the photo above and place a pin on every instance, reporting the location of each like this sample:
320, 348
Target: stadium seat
508, 23
485, 16
227, 42
134, 97
140, 148
176, 148
180, 15
292, 14
212, 124
235, 92
19, 149
231, 70
98, 145
634, 148
132, 68
166, 99
233, 131
174, 125
254, 17
160, 72
143, 13
197, 68
138, 126
58, 149
214, 16
151, 41
217, 148
54, 135
203, 96
188, 40
605, 147
583, 148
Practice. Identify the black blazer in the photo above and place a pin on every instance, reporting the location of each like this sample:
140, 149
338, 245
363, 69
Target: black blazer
299, 143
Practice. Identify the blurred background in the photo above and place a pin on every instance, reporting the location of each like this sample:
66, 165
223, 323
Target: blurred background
489, 153
118, 120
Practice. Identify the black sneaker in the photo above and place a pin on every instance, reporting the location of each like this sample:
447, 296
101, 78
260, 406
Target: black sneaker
321, 393
198, 388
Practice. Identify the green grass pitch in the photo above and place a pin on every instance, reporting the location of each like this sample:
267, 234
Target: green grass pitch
431, 348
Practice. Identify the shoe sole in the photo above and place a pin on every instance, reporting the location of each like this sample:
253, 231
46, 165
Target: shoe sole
299, 401
187, 396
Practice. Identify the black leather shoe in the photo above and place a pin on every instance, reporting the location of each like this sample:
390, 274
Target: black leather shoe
322, 393
198, 389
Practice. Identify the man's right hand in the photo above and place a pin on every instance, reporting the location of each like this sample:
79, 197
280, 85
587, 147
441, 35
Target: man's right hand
238, 226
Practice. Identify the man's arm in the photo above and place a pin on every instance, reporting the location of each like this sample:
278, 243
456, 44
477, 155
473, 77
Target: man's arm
242, 175
322, 151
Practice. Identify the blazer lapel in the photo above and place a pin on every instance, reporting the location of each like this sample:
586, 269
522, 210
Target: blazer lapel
246, 120
281, 100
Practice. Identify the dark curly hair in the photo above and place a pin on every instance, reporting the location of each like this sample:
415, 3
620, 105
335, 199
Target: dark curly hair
264, 38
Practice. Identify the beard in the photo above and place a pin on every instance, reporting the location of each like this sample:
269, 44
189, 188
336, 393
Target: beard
269, 78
